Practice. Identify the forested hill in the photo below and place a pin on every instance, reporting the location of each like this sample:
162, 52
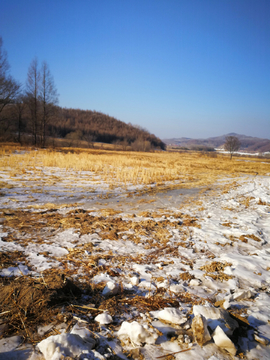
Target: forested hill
95, 126
30, 114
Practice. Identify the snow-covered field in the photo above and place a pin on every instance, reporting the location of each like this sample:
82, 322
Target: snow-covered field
184, 275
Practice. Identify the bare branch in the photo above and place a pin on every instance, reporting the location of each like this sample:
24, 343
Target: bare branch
9, 88
48, 97
32, 92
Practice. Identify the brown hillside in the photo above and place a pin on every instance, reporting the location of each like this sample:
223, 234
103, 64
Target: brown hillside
95, 126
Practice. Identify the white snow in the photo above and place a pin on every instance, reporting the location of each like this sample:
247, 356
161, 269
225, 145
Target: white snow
222, 340
135, 280
111, 288
172, 315
15, 271
216, 317
84, 333
222, 219
58, 346
138, 334
104, 318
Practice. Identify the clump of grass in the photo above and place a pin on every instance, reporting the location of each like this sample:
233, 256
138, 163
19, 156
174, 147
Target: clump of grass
5, 185
215, 270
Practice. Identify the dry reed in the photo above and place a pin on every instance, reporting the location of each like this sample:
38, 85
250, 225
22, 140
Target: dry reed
132, 168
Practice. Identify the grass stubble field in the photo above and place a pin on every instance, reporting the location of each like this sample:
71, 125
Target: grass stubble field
65, 262
187, 169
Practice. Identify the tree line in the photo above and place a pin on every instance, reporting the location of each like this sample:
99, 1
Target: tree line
27, 108
30, 113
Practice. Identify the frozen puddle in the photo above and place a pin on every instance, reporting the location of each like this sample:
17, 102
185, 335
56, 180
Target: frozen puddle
158, 201
88, 191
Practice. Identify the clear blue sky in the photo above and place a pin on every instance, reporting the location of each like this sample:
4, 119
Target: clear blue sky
192, 68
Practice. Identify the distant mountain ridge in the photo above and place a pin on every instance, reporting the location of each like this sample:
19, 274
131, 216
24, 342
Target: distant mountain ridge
248, 143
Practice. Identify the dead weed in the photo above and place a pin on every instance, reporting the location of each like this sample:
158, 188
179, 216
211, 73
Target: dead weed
215, 270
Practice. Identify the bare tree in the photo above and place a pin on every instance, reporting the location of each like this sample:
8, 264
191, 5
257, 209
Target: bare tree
90, 139
141, 145
32, 91
48, 98
9, 88
232, 144
20, 104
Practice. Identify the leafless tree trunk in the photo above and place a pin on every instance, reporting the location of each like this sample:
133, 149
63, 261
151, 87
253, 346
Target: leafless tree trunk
7, 124
48, 97
20, 107
32, 90
90, 139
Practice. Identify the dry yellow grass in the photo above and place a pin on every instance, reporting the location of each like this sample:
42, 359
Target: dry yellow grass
159, 168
